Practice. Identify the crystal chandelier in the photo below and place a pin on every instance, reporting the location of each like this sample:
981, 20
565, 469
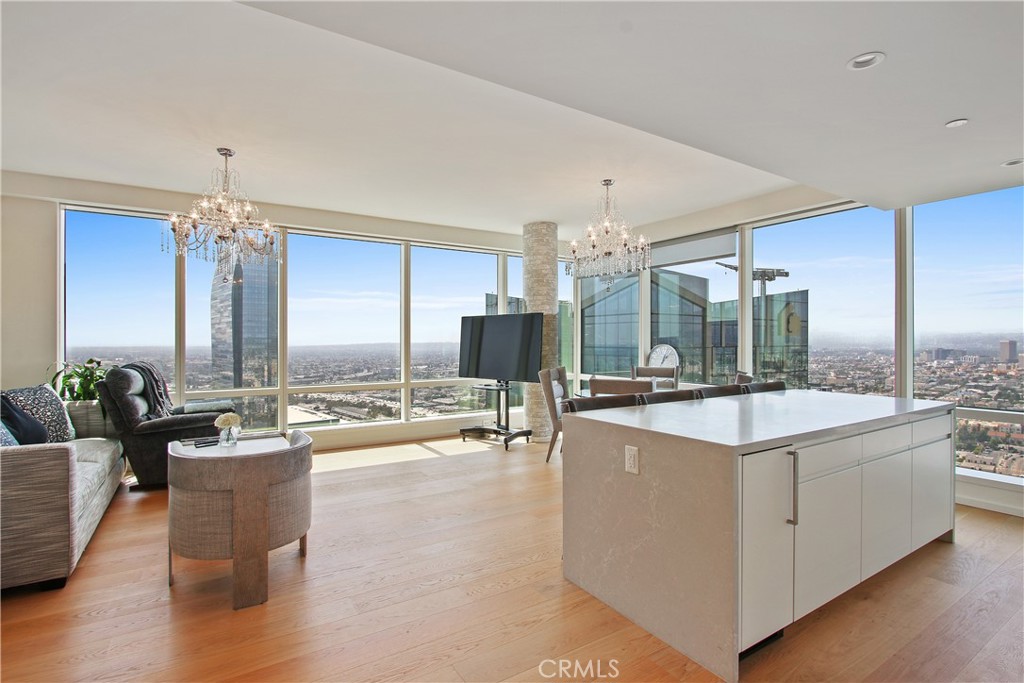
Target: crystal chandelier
223, 226
609, 248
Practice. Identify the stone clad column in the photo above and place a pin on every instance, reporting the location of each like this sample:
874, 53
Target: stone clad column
540, 289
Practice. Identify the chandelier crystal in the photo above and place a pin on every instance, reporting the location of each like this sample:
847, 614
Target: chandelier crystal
223, 226
608, 249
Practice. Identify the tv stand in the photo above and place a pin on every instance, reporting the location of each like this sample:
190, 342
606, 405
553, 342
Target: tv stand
501, 428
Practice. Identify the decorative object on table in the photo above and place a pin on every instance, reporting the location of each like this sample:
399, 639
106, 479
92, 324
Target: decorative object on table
138, 403
608, 249
223, 220
229, 424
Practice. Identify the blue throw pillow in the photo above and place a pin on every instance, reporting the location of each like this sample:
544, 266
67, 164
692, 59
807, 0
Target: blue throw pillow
23, 427
43, 403
6, 438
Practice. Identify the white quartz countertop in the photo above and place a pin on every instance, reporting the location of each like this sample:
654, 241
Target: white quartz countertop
757, 421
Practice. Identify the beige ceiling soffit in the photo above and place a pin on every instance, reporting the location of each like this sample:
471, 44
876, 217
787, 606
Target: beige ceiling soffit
744, 212
86, 193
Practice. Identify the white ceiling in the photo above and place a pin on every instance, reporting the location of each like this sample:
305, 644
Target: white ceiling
489, 115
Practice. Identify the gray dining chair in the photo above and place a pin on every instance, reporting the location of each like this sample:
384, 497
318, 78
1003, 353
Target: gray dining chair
555, 386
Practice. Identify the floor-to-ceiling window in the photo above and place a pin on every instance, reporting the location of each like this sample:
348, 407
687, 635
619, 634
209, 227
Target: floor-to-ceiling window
231, 328
118, 290
344, 299
969, 321
447, 284
824, 302
693, 309
344, 324
610, 320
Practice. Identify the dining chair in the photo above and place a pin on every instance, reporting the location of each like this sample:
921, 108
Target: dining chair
613, 385
720, 390
759, 387
578, 405
556, 389
665, 377
652, 397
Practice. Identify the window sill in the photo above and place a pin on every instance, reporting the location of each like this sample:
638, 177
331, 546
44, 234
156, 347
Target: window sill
996, 492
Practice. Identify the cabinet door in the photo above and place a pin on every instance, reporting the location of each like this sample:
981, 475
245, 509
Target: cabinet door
766, 574
932, 498
827, 544
885, 514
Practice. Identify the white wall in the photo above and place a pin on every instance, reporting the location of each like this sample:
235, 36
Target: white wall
28, 290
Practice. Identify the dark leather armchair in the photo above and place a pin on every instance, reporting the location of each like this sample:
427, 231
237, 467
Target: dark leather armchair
137, 401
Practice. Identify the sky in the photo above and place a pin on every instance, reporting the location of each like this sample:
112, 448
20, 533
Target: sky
969, 277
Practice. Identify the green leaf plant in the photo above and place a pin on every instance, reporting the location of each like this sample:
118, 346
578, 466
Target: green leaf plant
77, 381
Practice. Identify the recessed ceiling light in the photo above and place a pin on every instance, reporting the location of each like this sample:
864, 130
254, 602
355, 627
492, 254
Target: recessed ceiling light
865, 61
956, 123
1012, 162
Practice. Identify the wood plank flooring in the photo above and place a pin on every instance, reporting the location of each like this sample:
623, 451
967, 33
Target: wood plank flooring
449, 569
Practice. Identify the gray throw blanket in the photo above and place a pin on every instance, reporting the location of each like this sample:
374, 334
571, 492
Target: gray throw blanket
154, 391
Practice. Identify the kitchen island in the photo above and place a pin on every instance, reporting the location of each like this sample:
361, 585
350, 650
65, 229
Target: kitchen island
748, 512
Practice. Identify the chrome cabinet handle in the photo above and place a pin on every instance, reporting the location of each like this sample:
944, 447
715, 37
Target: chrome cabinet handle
795, 519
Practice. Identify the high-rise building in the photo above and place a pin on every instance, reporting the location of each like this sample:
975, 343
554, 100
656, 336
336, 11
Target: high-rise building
705, 333
243, 325
1008, 350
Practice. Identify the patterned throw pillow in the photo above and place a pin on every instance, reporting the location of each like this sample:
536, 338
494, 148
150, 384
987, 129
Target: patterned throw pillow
43, 403
6, 438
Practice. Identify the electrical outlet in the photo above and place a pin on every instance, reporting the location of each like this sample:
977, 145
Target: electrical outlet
632, 459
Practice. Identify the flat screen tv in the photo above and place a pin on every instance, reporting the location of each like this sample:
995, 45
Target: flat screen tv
505, 348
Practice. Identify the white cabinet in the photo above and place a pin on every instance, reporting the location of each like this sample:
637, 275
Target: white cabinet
885, 512
767, 545
862, 502
827, 544
932, 511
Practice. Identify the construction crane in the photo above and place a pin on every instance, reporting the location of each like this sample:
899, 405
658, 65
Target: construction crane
764, 276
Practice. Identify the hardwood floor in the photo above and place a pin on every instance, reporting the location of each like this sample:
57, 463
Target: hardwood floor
449, 569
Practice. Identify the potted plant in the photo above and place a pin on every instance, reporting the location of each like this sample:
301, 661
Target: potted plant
76, 384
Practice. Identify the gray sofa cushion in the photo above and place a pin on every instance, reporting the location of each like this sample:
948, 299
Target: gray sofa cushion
6, 438
43, 403
22, 427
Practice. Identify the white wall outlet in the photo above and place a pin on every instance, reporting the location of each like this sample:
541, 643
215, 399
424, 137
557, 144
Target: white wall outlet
632, 459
